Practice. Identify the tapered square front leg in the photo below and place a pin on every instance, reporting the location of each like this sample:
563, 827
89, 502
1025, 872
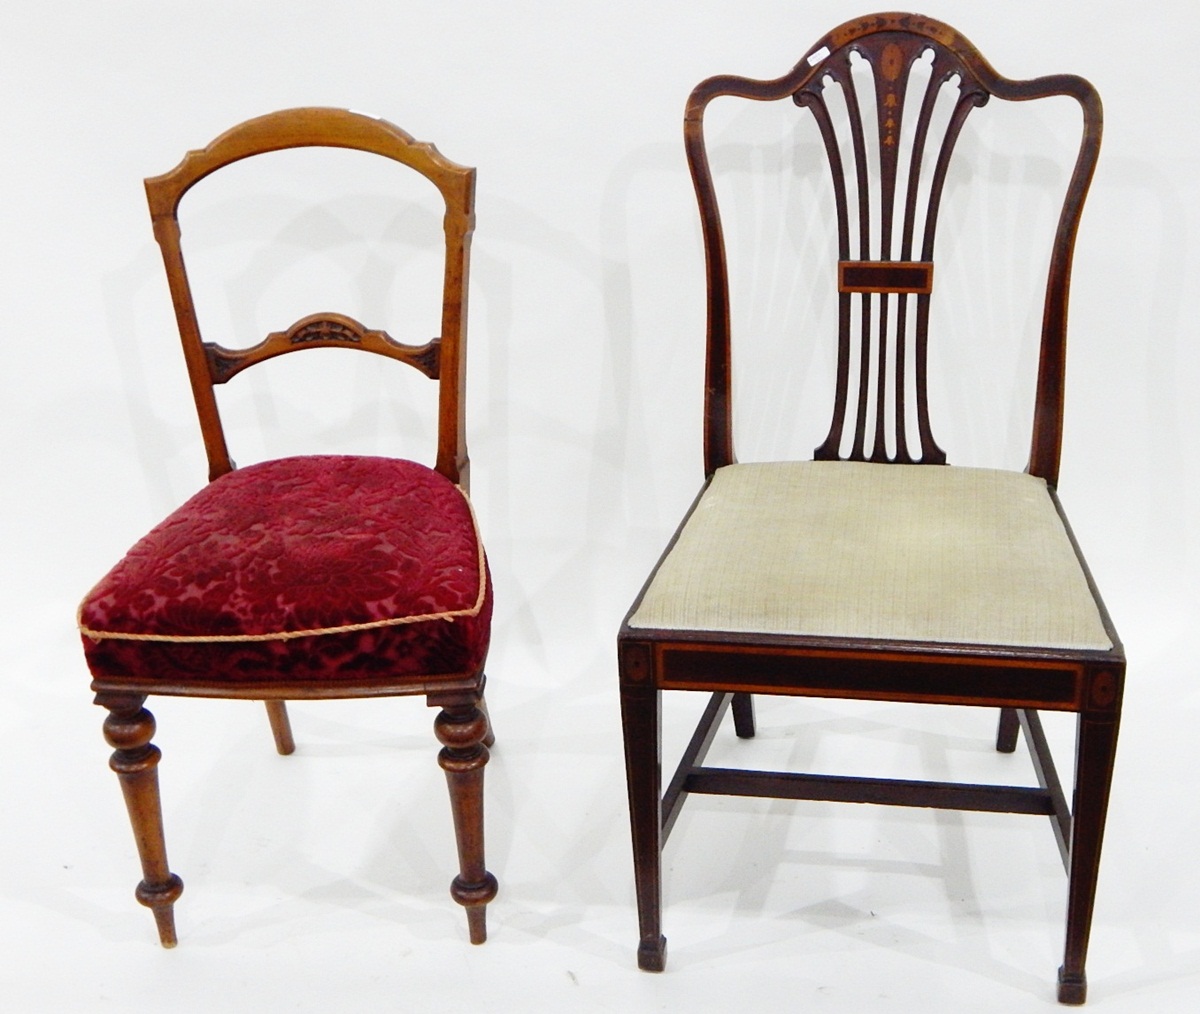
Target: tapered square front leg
1095, 753
641, 717
462, 727
129, 728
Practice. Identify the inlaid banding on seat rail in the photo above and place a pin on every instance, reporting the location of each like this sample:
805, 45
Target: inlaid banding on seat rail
914, 277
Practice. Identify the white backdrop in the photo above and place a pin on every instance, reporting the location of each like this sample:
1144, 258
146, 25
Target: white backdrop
315, 880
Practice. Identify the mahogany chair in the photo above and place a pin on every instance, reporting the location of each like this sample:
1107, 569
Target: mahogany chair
876, 571
326, 576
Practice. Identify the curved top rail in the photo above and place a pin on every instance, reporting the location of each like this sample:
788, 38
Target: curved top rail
810, 66
309, 127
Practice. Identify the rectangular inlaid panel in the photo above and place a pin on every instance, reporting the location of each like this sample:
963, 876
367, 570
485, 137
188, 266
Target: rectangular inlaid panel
914, 277
706, 667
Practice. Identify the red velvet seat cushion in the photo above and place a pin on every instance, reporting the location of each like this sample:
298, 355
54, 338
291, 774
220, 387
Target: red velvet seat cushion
302, 569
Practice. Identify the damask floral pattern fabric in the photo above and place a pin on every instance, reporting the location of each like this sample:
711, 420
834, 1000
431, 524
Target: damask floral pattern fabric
310, 568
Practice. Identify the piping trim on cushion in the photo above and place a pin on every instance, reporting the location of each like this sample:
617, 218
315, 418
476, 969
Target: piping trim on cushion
288, 635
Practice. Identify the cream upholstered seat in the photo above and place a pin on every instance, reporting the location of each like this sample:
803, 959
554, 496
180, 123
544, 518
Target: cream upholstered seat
889, 552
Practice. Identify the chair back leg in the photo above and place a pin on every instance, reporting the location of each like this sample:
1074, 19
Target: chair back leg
1007, 729
281, 727
743, 715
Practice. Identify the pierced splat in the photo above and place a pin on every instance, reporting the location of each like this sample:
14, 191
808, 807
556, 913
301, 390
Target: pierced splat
889, 94
887, 180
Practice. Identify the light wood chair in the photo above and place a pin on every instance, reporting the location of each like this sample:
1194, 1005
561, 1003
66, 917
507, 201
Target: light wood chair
324, 576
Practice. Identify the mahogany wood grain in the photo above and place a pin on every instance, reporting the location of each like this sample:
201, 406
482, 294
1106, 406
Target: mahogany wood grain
885, 249
890, 44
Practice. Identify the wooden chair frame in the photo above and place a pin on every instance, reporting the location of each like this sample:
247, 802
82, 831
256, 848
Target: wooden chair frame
462, 725
732, 666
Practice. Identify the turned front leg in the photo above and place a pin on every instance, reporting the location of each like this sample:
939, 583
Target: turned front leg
462, 727
128, 729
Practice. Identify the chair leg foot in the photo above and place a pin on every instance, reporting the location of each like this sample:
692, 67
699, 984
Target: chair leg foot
652, 955
160, 899
281, 727
474, 898
129, 728
1072, 989
461, 728
477, 924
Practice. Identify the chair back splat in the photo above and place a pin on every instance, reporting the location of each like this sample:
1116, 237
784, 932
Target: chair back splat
863, 574
860, 86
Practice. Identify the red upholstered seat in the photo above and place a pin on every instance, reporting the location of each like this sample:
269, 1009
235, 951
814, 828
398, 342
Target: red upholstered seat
311, 568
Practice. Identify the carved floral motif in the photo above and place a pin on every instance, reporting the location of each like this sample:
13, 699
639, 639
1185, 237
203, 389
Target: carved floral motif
325, 330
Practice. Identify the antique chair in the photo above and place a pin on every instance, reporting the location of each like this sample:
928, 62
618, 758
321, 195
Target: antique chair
876, 571
326, 576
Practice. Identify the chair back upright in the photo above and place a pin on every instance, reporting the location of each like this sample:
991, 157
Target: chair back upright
440, 359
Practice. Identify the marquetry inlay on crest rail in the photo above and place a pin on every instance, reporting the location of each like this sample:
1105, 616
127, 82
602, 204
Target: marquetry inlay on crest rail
323, 330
